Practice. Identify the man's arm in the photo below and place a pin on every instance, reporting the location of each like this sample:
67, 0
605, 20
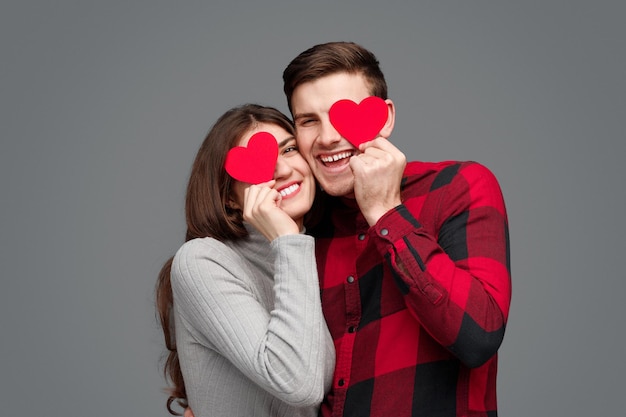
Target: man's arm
456, 283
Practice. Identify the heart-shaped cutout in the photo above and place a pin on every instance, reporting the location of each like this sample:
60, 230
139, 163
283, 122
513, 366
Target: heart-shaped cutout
255, 163
359, 123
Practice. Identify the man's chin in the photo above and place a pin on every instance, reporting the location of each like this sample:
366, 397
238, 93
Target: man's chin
338, 188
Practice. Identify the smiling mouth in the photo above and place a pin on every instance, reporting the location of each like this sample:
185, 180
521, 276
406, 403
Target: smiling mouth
335, 159
289, 190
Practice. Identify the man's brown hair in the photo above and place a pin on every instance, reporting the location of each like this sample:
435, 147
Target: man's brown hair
331, 58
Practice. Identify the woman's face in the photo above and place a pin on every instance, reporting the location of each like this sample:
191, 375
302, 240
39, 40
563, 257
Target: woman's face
294, 180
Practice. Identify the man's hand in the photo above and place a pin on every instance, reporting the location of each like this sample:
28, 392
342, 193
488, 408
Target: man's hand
377, 173
188, 412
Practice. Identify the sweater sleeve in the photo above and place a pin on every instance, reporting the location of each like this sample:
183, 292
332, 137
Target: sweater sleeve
285, 350
456, 282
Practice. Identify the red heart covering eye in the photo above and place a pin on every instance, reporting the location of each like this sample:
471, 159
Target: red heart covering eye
359, 123
255, 163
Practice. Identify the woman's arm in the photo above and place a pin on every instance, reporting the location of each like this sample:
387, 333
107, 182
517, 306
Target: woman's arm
284, 350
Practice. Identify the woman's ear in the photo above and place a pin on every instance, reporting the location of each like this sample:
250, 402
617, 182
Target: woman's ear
232, 204
391, 119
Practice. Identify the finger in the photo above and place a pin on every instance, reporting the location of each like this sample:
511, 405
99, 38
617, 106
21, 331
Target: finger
379, 143
248, 198
382, 148
375, 153
249, 194
269, 184
265, 201
374, 156
265, 195
252, 199
357, 164
258, 192
274, 198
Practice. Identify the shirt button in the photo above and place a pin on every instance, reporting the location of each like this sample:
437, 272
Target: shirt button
362, 236
350, 279
384, 232
341, 382
351, 329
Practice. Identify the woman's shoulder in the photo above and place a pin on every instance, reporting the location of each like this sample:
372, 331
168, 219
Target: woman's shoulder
202, 244
205, 251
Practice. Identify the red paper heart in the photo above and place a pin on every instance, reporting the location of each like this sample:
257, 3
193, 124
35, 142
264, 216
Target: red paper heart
255, 163
361, 122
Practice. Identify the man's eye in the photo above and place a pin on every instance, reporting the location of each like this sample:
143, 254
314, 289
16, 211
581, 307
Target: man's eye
306, 122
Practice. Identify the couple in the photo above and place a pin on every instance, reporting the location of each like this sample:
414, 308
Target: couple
413, 265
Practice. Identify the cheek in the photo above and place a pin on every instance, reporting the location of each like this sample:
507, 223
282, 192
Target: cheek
304, 167
304, 140
306, 152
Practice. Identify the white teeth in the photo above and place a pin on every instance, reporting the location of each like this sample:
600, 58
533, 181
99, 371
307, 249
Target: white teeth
286, 191
336, 157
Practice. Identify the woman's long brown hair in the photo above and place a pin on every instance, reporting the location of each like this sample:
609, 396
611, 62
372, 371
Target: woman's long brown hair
208, 214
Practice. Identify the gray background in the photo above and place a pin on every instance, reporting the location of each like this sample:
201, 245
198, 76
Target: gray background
104, 105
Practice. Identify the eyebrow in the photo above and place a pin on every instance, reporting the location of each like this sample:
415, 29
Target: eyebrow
285, 141
303, 115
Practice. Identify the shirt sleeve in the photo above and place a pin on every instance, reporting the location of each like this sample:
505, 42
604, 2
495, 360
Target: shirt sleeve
287, 351
456, 280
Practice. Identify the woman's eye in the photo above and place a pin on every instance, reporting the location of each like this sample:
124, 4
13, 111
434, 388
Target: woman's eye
291, 148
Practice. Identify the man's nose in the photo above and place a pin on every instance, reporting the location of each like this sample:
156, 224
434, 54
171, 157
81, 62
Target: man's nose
328, 134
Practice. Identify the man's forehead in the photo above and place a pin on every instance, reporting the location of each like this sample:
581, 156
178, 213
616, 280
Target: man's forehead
319, 94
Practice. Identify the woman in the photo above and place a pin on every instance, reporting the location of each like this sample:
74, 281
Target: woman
241, 314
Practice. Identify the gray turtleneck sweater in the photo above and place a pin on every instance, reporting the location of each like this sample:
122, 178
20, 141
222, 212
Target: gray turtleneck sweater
250, 334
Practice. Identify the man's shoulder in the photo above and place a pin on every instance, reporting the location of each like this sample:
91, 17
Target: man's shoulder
430, 175
443, 172
427, 167
423, 178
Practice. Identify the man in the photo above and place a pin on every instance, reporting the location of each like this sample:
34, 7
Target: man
413, 258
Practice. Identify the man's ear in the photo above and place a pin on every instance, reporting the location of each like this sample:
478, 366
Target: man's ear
391, 120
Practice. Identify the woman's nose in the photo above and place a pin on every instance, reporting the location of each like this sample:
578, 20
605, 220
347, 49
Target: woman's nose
282, 169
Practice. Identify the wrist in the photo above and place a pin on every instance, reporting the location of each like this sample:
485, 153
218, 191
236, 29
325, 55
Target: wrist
375, 213
284, 232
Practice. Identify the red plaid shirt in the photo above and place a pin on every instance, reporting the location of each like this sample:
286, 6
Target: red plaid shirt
418, 303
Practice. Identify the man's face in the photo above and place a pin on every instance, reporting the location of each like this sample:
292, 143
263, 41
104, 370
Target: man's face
325, 150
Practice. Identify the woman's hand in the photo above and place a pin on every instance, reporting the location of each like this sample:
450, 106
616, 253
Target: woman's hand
261, 208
